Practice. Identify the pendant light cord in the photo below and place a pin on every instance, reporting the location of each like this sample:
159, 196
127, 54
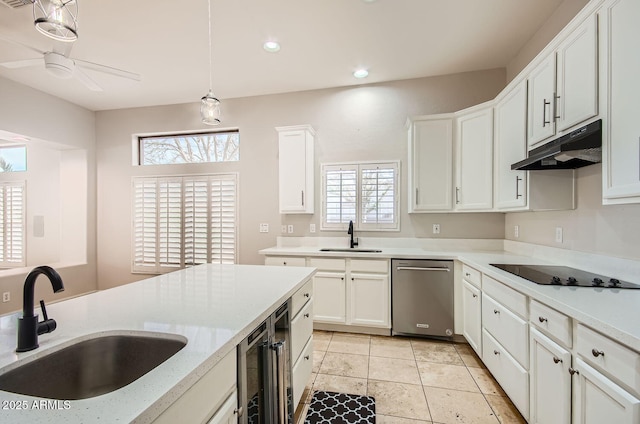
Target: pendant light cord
210, 66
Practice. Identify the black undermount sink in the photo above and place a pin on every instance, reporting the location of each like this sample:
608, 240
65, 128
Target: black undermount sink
91, 367
354, 250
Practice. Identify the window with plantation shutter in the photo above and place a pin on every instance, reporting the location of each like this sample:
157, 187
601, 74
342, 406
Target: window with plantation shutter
365, 193
12, 229
183, 221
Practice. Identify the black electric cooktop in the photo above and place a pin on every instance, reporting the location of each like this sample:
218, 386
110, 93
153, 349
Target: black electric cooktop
564, 276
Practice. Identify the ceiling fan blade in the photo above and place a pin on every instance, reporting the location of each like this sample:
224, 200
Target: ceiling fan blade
22, 63
20, 43
108, 70
86, 80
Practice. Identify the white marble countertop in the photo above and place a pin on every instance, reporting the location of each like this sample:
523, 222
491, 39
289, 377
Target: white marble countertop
213, 306
615, 313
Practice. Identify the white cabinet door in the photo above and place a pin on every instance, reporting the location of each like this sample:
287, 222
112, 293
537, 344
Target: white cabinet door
369, 300
542, 88
296, 169
619, 69
329, 295
577, 77
472, 316
598, 400
474, 160
430, 163
510, 144
227, 414
550, 381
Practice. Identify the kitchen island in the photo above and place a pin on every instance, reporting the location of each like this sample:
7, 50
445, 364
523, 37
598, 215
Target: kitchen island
213, 306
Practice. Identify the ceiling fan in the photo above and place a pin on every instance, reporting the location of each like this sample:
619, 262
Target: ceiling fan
60, 64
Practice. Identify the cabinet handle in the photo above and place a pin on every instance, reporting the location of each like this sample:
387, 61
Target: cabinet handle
495, 352
555, 106
284, 263
544, 113
597, 353
306, 357
541, 319
342, 278
467, 274
518, 179
556, 359
457, 195
238, 411
306, 295
495, 311
572, 371
302, 194
417, 201
475, 295
353, 279
306, 315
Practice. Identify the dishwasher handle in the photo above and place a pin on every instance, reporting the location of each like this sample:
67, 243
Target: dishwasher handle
422, 268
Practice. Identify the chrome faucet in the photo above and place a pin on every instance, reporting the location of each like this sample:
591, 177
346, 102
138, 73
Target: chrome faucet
28, 326
352, 243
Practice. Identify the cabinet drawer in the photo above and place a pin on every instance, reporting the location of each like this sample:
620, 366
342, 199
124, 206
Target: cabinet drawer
473, 276
328, 264
507, 296
302, 372
551, 322
285, 261
606, 355
370, 265
509, 330
301, 297
301, 328
513, 379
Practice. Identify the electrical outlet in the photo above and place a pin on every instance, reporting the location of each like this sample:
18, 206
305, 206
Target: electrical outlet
436, 228
264, 228
558, 234
516, 231
6, 296
312, 228
283, 229
289, 228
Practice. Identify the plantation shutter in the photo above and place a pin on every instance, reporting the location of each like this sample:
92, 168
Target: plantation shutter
184, 221
12, 230
378, 196
340, 195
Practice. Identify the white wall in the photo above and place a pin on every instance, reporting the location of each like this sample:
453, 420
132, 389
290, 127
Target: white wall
358, 123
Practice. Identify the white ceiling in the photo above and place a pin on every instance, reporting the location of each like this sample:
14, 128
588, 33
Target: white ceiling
323, 42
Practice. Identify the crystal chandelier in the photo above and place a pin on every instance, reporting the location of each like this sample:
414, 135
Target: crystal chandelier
209, 104
56, 19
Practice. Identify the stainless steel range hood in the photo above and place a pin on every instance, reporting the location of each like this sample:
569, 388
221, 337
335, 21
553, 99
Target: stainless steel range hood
579, 148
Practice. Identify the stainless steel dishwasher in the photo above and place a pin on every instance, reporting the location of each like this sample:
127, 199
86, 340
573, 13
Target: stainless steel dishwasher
422, 297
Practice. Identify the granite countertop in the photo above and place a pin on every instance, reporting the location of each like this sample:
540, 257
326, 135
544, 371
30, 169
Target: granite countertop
615, 313
213, 306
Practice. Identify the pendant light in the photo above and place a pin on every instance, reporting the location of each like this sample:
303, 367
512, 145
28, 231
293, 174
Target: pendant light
56, 19
210, 105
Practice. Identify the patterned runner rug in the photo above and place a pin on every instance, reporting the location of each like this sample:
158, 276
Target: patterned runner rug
340, 408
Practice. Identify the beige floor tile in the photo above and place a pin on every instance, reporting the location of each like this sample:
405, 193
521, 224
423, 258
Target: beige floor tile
485, 381
435, 351
318, 356
506, 412
345, 364
387, 419
321, 339
468, 355
391, 347
399, 399
452, 406
340, 384
446, 376
393, 369
347, 343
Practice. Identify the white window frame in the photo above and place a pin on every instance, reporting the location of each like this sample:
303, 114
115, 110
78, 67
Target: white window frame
358, 220
13, 197
213, 239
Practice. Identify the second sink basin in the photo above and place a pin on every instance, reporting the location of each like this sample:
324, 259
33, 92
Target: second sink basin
91, 367
350, 250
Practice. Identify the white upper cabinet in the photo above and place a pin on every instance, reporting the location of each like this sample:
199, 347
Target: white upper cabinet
430, 163
510, 144
562, 97
474, 158
296, 169
620, 85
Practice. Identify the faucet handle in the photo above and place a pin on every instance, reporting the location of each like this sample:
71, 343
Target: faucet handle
46, 325
44, 310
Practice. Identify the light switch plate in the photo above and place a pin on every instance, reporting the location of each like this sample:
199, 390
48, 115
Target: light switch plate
312, 228
436, 228
264, 228
516, 231
6, 296
289, 228
558, 234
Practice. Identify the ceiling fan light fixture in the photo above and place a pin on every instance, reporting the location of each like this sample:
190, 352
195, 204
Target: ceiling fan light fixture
56, 19
210, 109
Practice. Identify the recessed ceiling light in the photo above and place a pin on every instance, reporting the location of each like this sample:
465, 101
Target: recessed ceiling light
271, 46
361, 73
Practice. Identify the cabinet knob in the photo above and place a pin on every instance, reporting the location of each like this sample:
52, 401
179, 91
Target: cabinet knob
495, 311
467, 274
475, 295
496, 352
238, 411
572, 371
306, 315
306, 295
597, 353
556, 360
284, 263
542, 319
306, 357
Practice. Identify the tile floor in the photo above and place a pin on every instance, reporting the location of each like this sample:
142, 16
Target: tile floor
413, 380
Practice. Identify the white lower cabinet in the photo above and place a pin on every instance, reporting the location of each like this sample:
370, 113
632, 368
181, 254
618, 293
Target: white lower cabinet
302, 304
550, 381
472, 316
369, 300
228, 412
329, 290
599, 400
